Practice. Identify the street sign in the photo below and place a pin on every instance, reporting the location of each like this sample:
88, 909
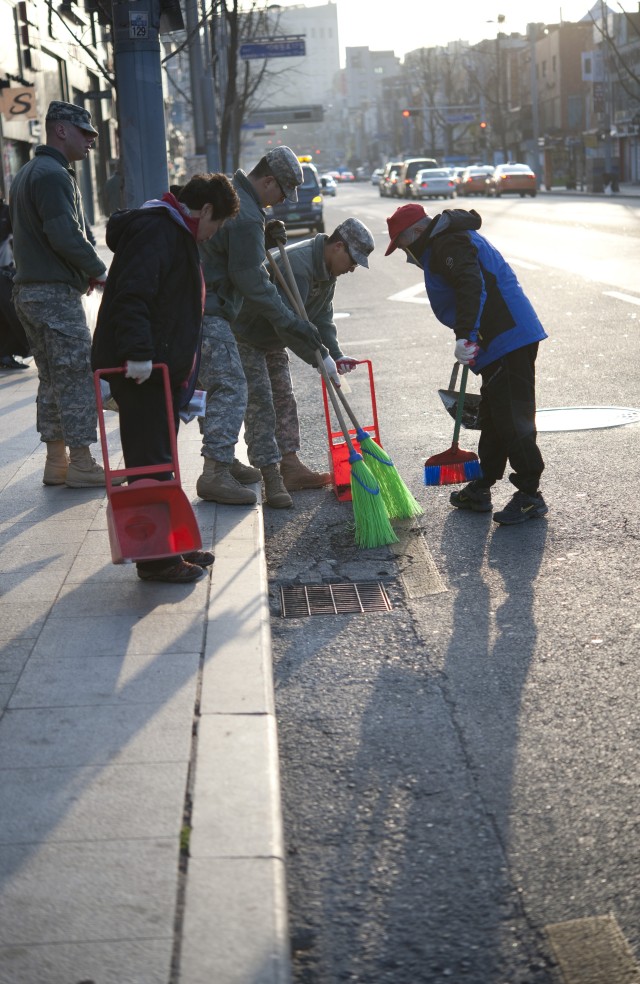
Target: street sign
460, 117
273, 49
252, 126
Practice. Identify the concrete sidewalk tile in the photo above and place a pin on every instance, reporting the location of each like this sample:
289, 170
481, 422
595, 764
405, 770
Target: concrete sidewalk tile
13, 657
235, 524
81, 680
25, 503
52, 533
120, 802
48, 893
109, 962
235, 923
235, 811
91, 735
115, 635
131, 597
237, 674
22, 621
23, 587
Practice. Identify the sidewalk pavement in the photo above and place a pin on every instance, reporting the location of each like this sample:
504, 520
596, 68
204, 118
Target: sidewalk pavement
627, 190
134, 717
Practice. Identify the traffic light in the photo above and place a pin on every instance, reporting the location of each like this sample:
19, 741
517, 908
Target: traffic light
483, 125
406, 113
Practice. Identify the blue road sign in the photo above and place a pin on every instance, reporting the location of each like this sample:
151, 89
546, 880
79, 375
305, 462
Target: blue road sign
273, 49
460, 117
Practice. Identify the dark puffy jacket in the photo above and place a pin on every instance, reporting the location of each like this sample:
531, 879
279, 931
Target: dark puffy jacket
153, 298
472, 288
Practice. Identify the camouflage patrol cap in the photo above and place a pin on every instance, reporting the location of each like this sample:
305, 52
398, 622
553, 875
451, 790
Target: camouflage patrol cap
70, 113
358, 240
286, 169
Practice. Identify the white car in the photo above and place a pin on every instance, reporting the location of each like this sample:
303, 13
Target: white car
434, 183
376, 175
328, 185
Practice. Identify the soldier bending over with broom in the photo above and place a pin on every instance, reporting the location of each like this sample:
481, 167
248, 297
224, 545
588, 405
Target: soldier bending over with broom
474, 291
272, 430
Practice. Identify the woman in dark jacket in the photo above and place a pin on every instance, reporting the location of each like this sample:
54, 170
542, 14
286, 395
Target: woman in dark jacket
151, 312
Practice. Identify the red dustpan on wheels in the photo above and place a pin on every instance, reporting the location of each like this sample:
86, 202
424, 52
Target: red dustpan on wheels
149, 519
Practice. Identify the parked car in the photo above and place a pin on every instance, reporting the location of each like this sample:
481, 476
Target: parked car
512, 179
328, 185
376, 175
307, 212
384, 187
473, 180
433, 183
408, 171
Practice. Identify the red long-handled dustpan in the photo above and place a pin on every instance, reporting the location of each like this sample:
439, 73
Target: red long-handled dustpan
149, 519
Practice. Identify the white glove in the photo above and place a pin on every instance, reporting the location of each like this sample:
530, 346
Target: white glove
332, 369
466, 351
345, 364
140, 371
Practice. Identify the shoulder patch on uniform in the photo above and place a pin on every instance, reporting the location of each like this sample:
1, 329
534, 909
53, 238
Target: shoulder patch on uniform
449, 261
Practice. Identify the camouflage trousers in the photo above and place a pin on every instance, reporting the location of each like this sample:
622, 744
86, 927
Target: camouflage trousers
54, 321
222, 376
271, 426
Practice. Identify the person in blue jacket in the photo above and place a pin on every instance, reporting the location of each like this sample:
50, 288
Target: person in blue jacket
473, 290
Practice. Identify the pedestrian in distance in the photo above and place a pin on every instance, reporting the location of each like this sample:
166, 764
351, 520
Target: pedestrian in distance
474, 291
272, 428
235, 274
151, 312
13, 340
55, 265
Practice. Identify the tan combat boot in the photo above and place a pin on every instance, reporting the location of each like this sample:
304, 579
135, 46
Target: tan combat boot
297, 476
244, 474
56, 464
217, 484
276, 495
84, 472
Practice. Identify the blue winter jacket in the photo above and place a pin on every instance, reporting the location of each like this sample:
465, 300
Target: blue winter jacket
472, 288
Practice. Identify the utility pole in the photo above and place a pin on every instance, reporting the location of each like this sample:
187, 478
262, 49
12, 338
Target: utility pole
209, 103
196, 73
535, 108
143, 141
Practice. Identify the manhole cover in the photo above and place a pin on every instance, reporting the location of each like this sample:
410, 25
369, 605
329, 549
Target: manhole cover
358, 598
585, 418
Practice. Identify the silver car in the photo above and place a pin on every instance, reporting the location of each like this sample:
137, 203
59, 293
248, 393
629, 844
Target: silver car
434, 183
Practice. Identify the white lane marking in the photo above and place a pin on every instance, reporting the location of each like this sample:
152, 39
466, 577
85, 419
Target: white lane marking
408, 294
622, 297
523, 264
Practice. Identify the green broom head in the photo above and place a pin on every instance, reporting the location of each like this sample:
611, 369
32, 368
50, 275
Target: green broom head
373, 528
398, 499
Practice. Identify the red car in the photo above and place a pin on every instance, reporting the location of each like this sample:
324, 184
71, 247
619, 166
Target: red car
512, 179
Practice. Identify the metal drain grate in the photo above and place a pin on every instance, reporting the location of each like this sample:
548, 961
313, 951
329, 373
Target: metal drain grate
334, 599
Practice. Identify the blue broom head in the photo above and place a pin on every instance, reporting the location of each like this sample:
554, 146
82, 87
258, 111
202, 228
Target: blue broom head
453, 474
398, 499
373, 528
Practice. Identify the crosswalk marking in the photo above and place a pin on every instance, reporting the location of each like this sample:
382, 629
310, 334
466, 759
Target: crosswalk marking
593, 950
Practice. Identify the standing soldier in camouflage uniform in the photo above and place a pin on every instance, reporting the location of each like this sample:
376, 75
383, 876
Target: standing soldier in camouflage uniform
55, 266
272, 429
234, 272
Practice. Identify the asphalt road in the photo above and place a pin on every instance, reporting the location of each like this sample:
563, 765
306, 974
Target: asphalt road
461, 774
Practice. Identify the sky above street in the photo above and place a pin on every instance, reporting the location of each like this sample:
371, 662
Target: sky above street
424, 24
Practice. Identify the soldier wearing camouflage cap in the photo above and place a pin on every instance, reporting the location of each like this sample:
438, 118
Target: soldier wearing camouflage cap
55, 265
272, 429
233, 263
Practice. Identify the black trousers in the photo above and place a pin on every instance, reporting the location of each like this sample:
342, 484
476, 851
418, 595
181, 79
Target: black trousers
144, 430
507, 419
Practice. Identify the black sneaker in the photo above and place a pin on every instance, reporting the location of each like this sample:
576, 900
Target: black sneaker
473, 496
520, 508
